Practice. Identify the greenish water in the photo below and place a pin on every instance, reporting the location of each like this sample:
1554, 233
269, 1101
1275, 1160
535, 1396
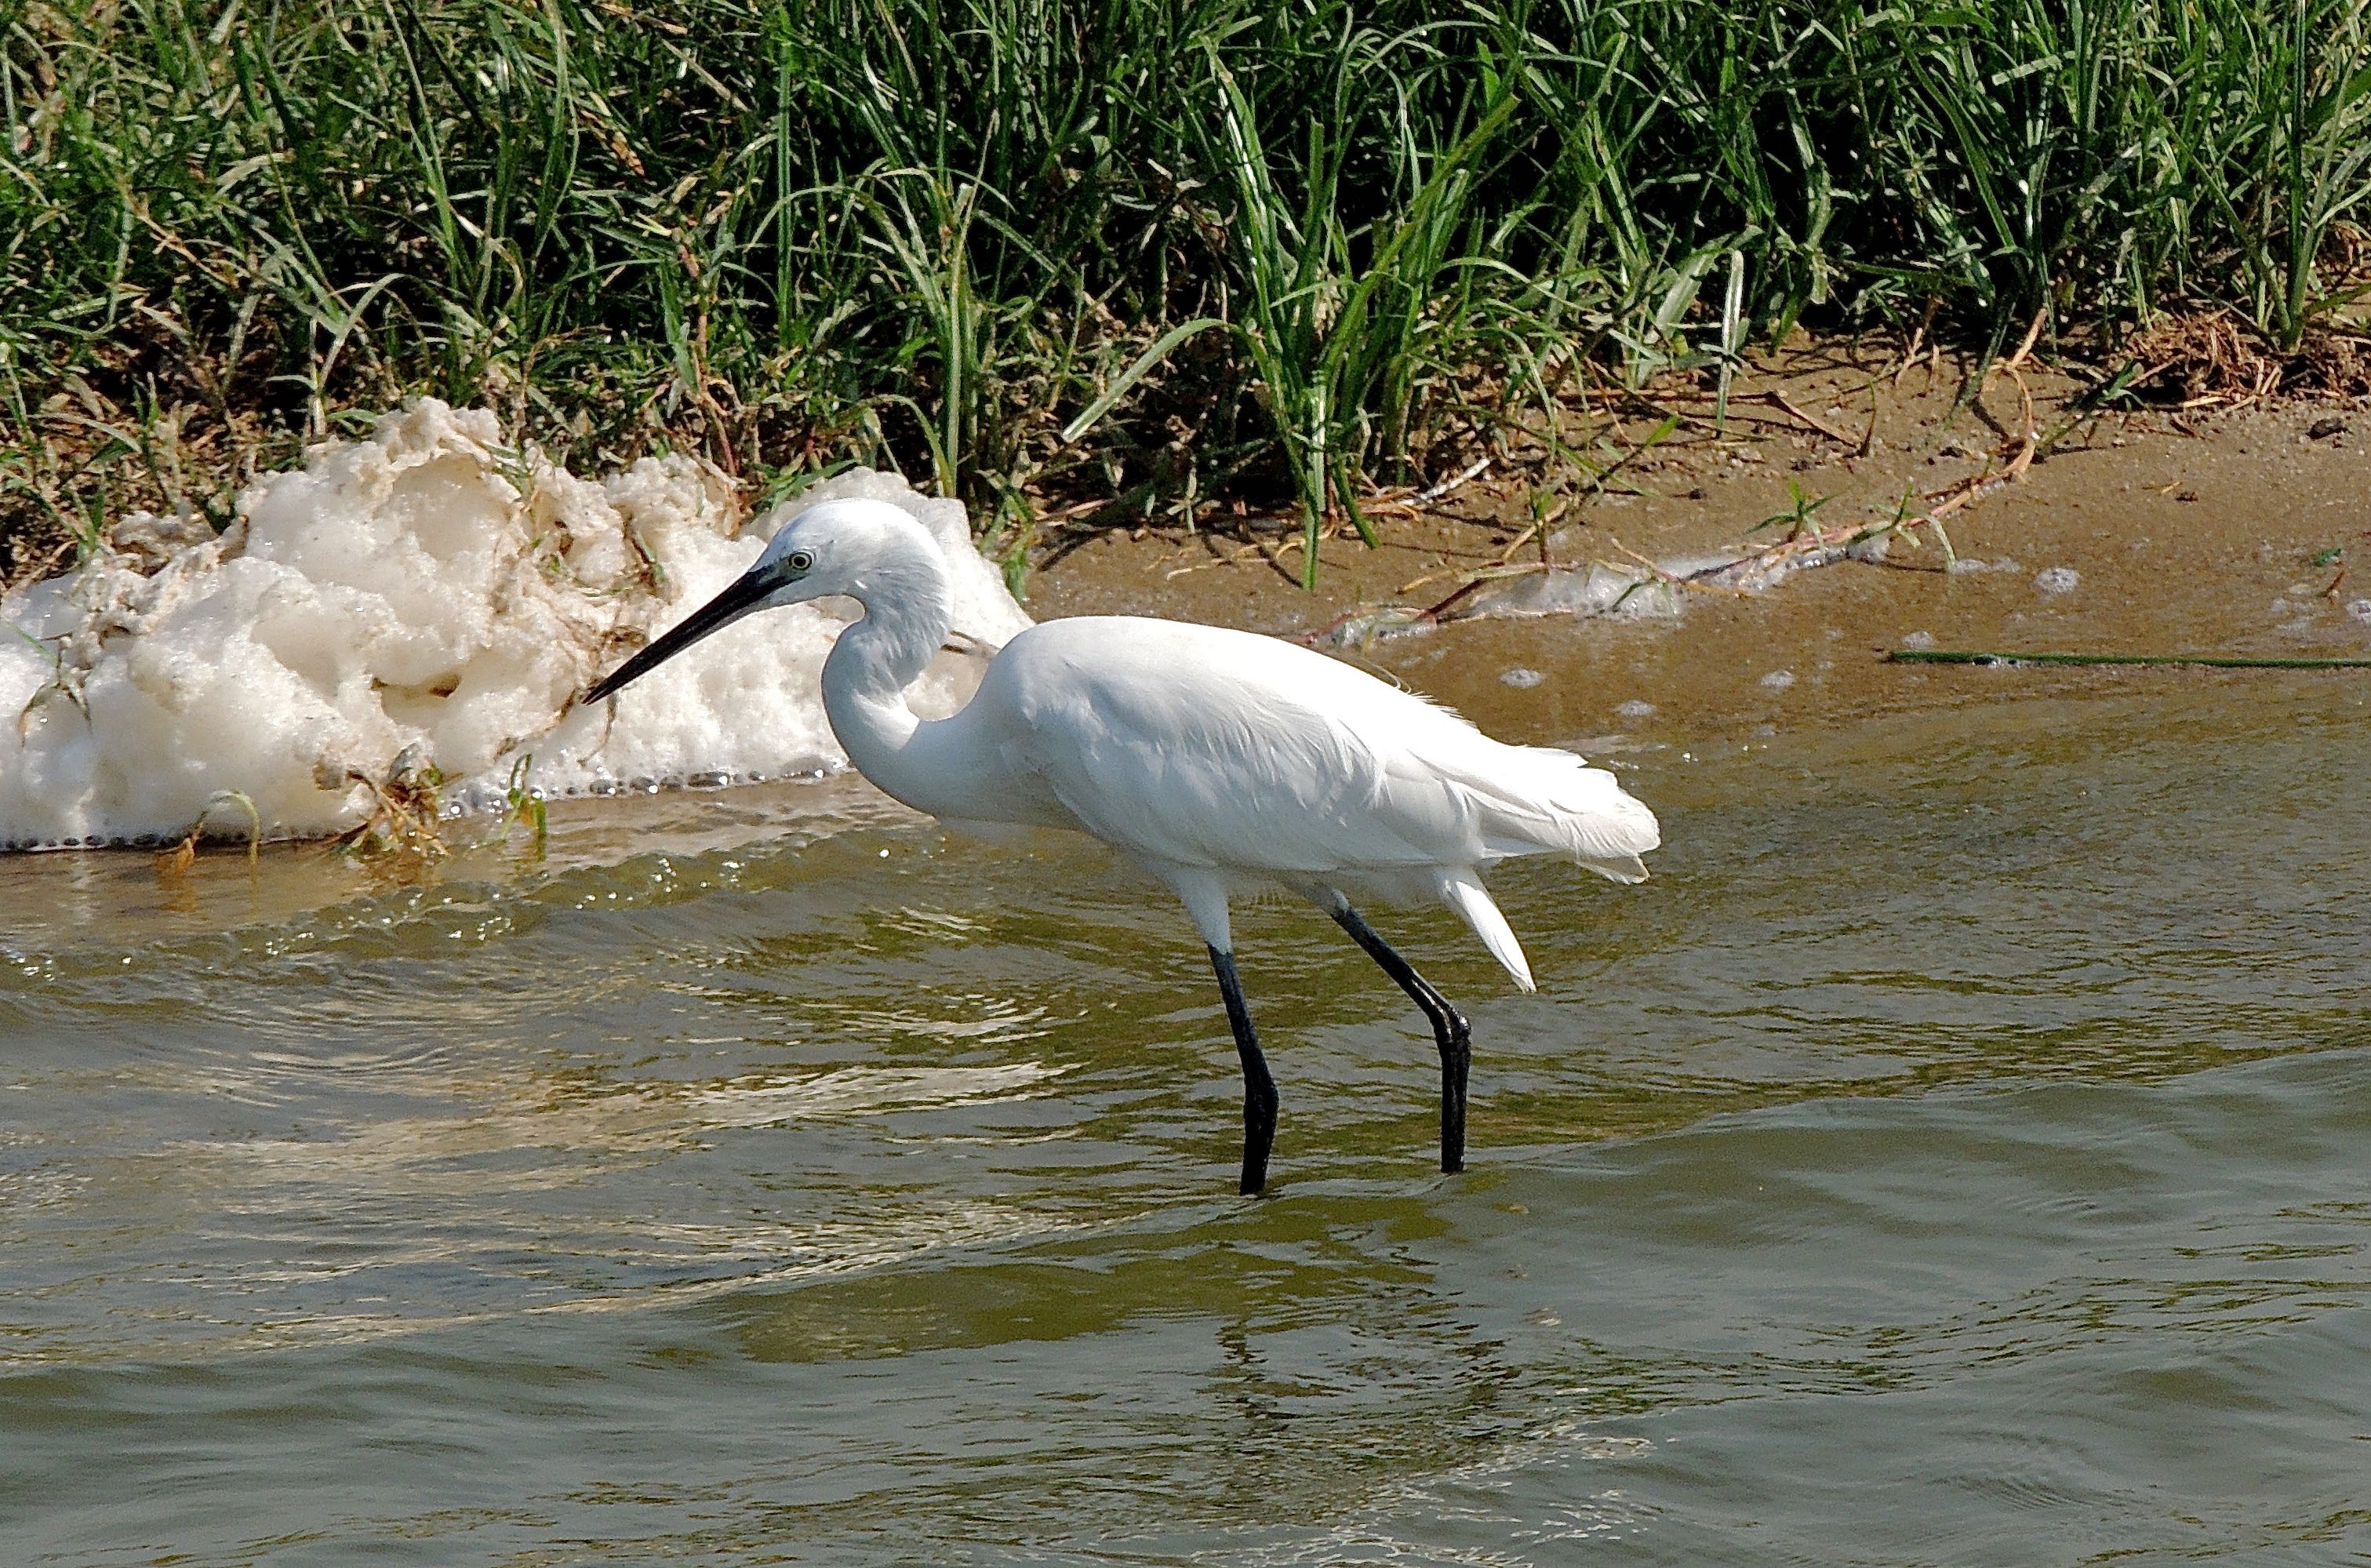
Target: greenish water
1958, 1154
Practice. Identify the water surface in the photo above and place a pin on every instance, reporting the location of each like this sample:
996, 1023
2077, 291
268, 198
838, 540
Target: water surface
1957, 1153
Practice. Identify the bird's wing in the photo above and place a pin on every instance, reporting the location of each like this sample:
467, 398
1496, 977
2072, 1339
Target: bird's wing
1208, 748
1200, 771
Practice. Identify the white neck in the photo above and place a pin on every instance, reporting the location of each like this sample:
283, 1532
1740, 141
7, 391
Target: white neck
908, 608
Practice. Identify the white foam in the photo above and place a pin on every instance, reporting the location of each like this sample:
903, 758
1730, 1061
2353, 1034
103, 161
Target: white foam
1593, 589
1661, 591
428, 588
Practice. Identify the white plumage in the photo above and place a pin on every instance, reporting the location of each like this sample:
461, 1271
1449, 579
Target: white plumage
1210, 758
1208, 755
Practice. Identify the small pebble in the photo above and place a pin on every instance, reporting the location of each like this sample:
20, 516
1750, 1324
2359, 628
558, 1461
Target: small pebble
1919, 640
1779, 680
1634, 709
2057, 579
1522, 680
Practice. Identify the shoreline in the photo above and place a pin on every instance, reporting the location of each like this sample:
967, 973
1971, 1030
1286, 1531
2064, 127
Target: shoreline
2215, 532
2123, 534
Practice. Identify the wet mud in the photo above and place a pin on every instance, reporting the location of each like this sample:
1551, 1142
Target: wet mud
2212, 530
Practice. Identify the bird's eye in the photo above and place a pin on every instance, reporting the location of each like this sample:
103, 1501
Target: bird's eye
800, 560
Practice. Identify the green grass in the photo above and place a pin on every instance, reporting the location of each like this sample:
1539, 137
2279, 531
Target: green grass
1157, 251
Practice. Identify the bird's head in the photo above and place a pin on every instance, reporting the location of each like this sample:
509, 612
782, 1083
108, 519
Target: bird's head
849, 546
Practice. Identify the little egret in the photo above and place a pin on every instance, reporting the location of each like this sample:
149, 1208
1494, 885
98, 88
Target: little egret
1216, 761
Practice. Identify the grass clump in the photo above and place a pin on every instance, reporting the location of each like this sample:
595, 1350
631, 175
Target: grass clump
1137, 251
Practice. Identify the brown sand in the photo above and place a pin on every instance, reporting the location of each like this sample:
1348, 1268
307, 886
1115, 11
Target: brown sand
2204, 531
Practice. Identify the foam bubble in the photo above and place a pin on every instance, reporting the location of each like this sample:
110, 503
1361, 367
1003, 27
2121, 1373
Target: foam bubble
1522, 680
1778, 680
427, 587
1592, 590
2057, 579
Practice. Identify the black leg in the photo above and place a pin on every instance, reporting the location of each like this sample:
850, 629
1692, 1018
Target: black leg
1449, 1032
1259, 1087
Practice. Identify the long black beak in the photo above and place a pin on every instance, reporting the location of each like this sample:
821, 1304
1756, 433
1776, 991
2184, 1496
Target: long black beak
747, 593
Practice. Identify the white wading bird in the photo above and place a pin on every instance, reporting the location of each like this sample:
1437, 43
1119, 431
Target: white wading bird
1217, 760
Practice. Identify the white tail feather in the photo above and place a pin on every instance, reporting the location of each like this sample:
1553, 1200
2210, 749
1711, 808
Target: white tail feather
1472, 901
1535, 797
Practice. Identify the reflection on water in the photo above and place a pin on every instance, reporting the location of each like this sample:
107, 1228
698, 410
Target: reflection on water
1954, 1155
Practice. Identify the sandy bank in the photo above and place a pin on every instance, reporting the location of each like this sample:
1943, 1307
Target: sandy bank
2208, 530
